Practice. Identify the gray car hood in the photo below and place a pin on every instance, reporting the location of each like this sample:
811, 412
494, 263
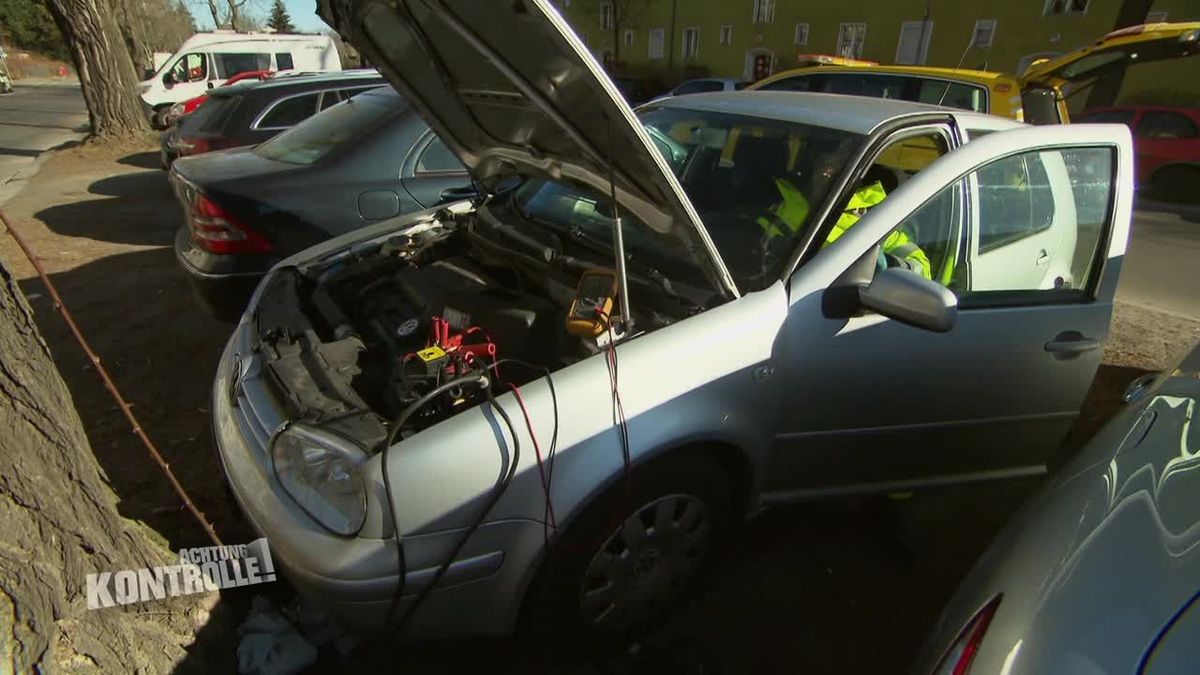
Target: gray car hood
511, 89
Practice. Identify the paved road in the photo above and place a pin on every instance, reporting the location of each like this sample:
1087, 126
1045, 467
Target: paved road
1160, 268
33, 119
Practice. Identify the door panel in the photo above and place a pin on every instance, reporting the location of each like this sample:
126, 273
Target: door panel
875, 404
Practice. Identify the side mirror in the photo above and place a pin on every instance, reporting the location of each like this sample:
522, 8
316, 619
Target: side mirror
168, 78
910, 298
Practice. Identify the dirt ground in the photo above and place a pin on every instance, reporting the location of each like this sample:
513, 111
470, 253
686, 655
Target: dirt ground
820, 587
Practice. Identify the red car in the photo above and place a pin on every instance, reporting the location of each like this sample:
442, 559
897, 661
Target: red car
187, 107
1167, 145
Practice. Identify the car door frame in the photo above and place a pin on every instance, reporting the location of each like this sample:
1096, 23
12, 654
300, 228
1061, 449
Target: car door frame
810, 286
409, 172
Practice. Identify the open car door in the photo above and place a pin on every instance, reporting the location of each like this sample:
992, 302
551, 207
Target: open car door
1039, 220
1044, 83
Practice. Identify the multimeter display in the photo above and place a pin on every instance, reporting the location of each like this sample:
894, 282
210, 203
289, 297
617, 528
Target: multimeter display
593, 304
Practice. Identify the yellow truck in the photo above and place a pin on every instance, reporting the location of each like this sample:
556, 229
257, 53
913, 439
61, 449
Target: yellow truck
1038, 96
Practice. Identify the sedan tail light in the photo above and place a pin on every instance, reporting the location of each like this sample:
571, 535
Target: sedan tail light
961, 653
215, 231
200, 145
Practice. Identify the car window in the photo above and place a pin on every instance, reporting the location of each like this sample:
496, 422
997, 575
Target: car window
798, 83
190, 68
953, 94
355, 91
329, 99
1165, 124
1108, 117
699, 86
211, 115
437, 158
289, 112
1034, 231
231, 64
322, 134
283, 61
862, 84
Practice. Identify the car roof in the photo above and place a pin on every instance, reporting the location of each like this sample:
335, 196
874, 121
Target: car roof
286, 79
855, 114
923, 71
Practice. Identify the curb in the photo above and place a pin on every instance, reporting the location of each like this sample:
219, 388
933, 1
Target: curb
12, 185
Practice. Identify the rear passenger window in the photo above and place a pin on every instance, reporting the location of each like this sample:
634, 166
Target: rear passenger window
437, 158
874, 86
329, 99
283, 61
229, 65
289, 112
801, 83
953, 95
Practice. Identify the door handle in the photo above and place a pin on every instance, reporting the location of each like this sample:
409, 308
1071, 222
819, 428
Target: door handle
1070, 344
1042, 258
455, 194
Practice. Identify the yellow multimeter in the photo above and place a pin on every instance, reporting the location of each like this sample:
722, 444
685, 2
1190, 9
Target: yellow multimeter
595, 298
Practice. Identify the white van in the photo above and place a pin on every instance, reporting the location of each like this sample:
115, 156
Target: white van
208, 59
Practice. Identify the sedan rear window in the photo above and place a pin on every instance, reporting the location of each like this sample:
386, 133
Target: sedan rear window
308, 143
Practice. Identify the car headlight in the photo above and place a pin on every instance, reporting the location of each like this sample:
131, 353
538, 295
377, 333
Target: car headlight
320, 471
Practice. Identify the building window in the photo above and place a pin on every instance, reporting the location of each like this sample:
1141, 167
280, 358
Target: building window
764, 11
801, 35
691, 42
628, 38
1067, 6
985, 32
726, 35
850, 39
1156, 17
606, 16
914, 42
656, 43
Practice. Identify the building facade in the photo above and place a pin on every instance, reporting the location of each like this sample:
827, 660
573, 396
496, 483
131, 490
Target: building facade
750, 39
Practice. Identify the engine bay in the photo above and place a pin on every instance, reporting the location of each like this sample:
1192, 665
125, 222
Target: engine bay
410, 329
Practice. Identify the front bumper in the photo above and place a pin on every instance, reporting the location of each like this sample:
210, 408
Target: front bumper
353, 579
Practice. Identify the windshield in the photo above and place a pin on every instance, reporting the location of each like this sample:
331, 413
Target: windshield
311, 140
731, 168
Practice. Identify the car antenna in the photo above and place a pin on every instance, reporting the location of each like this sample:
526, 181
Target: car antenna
618, 239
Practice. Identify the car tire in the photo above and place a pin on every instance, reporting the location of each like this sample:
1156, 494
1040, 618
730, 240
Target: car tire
1176, 184
615, 544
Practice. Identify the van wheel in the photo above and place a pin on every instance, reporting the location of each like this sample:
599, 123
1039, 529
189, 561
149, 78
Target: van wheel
632, 554
1178, 184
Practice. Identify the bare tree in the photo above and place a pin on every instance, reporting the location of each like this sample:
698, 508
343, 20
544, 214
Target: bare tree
150, 26
231, 14
615, 16
60, 522
103, 64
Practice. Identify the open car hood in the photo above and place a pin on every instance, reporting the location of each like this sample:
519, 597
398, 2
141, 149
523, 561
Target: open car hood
1136, 44
512, 91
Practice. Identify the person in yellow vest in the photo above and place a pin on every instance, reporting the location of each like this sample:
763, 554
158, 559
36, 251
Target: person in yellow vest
788, 216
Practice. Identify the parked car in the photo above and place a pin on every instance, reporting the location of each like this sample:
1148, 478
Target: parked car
360, 162
1100, 571
1167, 143
1038, 96
364, 410
207, 60
189, 106
251, 112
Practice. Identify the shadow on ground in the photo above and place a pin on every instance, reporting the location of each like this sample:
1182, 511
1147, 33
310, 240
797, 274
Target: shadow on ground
137, 208
142, 160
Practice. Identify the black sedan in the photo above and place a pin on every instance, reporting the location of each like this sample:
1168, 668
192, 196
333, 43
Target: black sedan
365, 160
253, 111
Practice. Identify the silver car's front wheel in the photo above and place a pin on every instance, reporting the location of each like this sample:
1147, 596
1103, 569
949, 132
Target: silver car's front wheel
631, 553
645, 561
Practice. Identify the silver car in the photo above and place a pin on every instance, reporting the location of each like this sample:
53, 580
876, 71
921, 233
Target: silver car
1100, 571
481, 415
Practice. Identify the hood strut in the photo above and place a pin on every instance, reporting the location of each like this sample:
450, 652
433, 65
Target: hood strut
618, 242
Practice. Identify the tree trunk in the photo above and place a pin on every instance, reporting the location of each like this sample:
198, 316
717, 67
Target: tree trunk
60, 522
1105, 92
104, 67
